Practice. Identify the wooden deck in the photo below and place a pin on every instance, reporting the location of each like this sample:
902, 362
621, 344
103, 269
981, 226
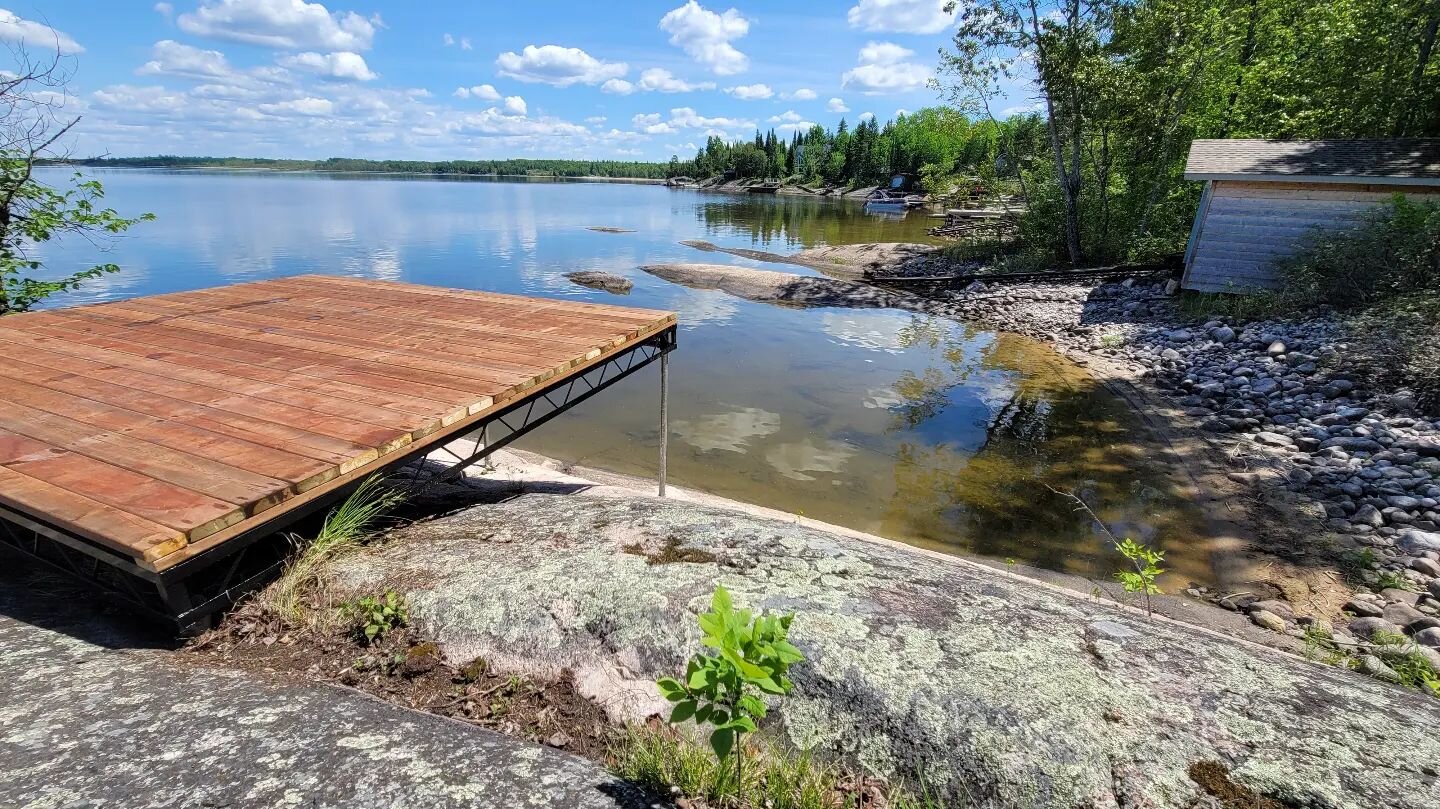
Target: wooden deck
158, 427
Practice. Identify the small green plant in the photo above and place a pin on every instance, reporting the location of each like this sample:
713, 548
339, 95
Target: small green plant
1405, 659
1146, 561
725, 689
347, 526
1389, 579
376, 616
664, 760
1112, 340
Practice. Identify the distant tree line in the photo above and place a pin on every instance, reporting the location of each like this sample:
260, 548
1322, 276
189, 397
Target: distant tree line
935, 144
552, 168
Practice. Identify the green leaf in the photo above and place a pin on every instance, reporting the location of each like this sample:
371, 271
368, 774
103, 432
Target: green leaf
722, 741
683, 711
671, 689
702, 714
720, 602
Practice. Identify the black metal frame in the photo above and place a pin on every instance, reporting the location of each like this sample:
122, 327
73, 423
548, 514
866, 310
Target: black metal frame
189, 593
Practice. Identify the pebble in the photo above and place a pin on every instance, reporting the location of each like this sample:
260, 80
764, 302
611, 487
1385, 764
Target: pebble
1268, 620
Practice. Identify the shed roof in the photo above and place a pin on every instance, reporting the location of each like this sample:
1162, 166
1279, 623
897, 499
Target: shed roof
1401, 161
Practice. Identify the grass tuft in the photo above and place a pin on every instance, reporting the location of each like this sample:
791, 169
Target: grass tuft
671, 764
347, 526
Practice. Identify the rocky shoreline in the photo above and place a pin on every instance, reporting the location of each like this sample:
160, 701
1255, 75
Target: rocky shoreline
1290, 400
1283, 404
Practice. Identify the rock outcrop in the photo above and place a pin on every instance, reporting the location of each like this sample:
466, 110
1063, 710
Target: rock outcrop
996, 690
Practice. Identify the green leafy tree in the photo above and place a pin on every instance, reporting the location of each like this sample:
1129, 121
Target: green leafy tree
31, 212
726, 689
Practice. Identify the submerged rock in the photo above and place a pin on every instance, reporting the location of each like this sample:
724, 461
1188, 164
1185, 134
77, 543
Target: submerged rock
607, 281
998, 689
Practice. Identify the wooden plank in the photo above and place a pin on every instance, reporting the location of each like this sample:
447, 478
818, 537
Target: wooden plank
219, 480
239, 425
353, 430
375, 321
196, 355
605, 310
189, 512
271, 357
195, 548
107, 353
301, 471
106, 525
424, 368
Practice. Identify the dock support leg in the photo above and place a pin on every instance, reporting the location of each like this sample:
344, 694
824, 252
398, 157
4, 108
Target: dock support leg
664, 417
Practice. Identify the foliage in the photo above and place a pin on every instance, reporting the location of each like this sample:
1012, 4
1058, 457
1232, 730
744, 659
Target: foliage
31, 212
663, 759
1400, 343
725, 689
1146, 562
1125, 86
1144, 559
936, 145
374, 616
345, 527
1394, 251
1402, 656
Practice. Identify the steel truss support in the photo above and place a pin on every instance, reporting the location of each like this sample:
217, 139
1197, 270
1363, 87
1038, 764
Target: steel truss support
189, 594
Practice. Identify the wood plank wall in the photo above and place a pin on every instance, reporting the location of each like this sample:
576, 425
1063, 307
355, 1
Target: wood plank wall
1246, 226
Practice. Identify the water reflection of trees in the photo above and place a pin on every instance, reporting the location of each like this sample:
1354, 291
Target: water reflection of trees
1055, 427
803, 221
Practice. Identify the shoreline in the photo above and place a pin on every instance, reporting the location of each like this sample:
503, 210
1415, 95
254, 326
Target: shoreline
1288, 539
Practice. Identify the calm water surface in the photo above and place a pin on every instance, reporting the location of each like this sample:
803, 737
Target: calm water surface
915, 428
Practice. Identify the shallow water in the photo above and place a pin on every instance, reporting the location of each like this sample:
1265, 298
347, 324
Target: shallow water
915, 428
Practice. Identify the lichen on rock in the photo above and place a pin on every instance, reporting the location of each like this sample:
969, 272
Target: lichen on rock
991, 688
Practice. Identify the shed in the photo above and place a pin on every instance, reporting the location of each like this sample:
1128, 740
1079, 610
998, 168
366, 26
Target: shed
1262, 197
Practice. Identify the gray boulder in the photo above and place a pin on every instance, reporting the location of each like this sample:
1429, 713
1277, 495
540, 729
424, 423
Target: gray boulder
1002, 690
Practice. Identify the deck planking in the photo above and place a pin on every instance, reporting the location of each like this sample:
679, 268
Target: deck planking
160, 426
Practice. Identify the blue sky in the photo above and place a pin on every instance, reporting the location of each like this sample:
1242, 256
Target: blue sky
473, 78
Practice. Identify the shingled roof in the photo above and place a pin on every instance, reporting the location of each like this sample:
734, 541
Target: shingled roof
1409, 161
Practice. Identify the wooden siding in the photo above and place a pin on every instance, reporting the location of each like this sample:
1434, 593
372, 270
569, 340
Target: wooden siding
1245, 226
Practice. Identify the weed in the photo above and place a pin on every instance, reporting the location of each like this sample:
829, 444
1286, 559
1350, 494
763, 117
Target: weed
1144, 559
375, 616
1389, 579
665, 760
725, 689
344, 528
1405, 659
1112, 340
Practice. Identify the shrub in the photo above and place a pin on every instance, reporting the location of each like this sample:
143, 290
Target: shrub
725, 689
1398, 341
1395, 250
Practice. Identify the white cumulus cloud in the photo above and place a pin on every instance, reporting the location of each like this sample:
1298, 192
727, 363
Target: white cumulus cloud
619, 87
662, 81
558, 66
788, 116
884, 68
285, 24
169, 57
308, 106
484, 92
515, 105
706, 36
751, 92
803, 94
344, 65
867, 116
836, 105
17, 29
901, 16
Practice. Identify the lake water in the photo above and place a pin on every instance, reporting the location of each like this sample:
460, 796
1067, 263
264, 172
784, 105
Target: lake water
915, 428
